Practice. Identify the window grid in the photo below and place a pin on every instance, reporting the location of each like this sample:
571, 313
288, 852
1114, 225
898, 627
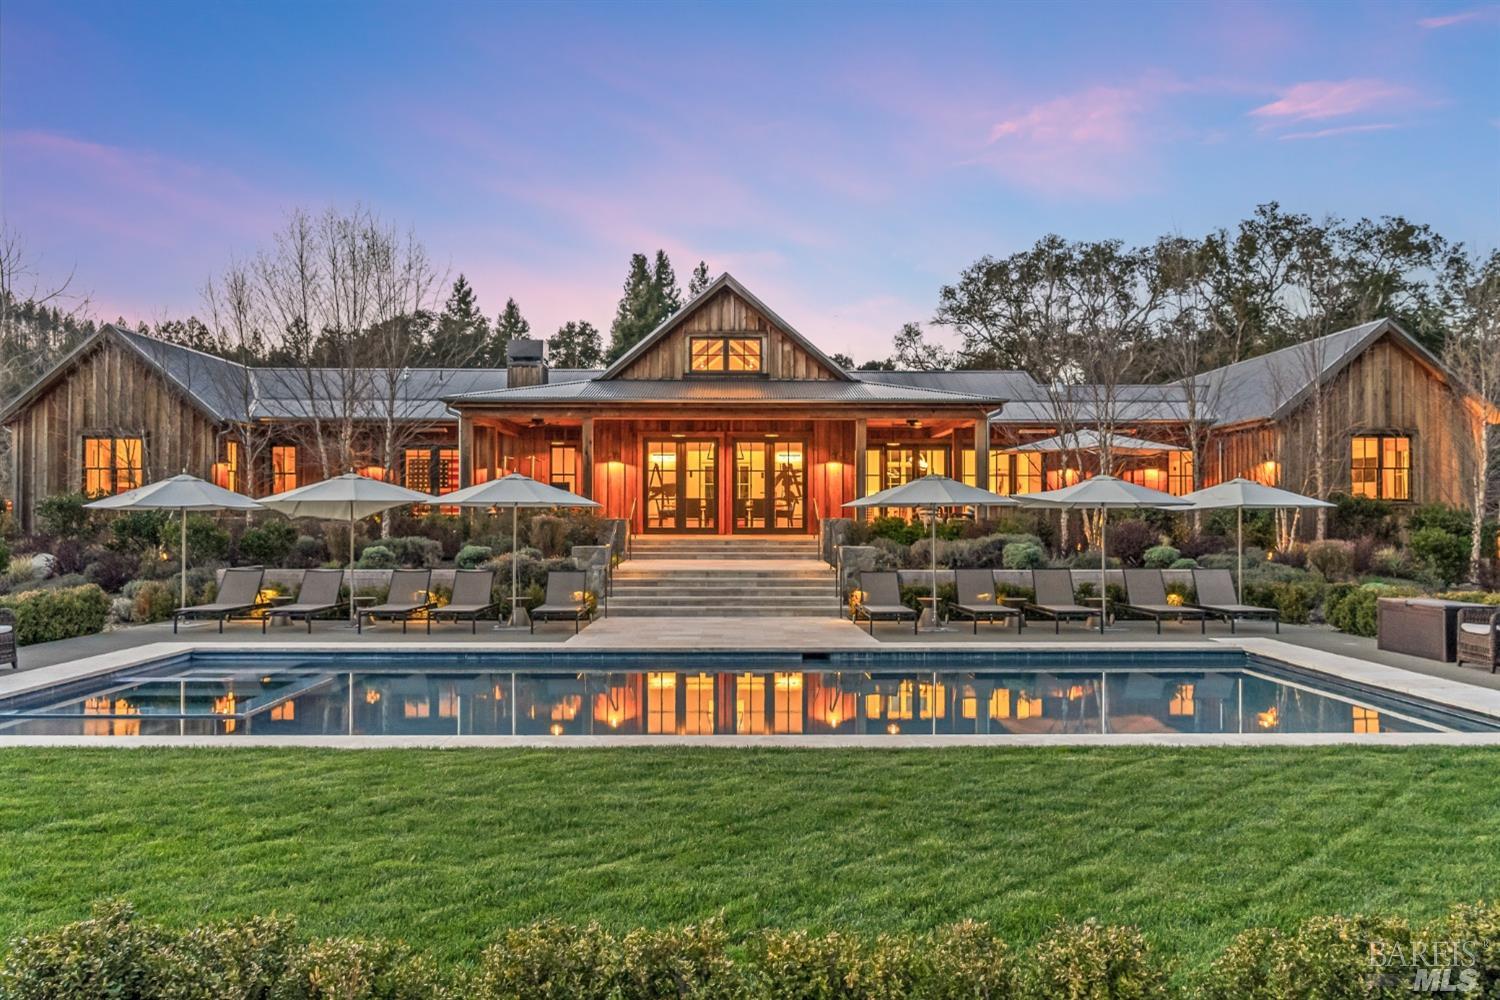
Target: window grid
112, 464
283, 468
1380, 466
562, 464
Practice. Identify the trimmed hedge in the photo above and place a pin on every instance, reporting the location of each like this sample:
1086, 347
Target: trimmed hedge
115, 954
45, 615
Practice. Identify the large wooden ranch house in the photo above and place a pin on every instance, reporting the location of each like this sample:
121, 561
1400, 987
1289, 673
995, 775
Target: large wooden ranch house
727, 420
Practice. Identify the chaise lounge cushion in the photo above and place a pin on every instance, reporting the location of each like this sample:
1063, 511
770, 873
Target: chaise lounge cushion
1478, 628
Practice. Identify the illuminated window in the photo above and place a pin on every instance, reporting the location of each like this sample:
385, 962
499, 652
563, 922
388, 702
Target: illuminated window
893, 464
112, 464
750, 704
417, 473
563, 466
742, 355
1179, 473
1380, 466
227, 473
698, 705
788, 703
1182, 701
416, 708
285, 712
1366, 720
661, 703
283, 468
447, 472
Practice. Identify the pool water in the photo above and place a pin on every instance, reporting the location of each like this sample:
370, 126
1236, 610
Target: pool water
225, 693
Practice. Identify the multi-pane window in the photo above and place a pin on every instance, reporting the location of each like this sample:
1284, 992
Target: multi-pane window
418, 470
227, 472
563, 466
1179, 473
893, 464
112, 464
283, 467
1380, 466
736, 355
1016, 471
447, 470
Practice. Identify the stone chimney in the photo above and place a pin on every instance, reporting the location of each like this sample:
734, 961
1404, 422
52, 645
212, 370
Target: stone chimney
523, 359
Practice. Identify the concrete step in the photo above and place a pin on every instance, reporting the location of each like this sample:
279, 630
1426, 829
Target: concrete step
688, 611
648, 587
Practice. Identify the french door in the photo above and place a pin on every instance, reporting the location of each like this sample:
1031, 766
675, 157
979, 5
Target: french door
770, 486
682, 486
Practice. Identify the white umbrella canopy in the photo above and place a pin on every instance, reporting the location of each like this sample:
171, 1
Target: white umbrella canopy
1089, 440
514, 491
1243, 495
350, 496
930, 493
180, 493
1102, 493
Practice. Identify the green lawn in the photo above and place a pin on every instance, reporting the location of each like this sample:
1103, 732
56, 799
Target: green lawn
441, 847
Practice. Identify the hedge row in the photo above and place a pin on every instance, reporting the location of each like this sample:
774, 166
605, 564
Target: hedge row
45, 615
116, 955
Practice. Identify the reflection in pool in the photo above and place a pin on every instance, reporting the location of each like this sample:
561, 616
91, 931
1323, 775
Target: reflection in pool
221, 694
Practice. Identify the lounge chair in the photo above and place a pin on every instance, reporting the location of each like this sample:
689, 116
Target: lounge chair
566, 600
1146, 594
318, 595
1053, 598
882, 601
239, 595
1479, 637
8, 638
407, 598
473, 596
1216, 596
976, 599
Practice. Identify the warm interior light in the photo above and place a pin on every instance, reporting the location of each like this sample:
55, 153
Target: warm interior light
894, 729
371, 696
556, 729
1268, 719
1175, 600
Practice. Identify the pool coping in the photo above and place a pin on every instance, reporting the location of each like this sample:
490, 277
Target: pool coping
1440, 691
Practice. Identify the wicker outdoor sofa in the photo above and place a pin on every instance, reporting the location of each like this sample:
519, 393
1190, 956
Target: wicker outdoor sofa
1479, 637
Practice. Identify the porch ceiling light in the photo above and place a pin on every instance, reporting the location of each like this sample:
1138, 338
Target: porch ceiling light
913, 422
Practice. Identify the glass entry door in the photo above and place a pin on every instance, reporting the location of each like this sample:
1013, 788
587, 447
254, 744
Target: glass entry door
770, 486
682, 486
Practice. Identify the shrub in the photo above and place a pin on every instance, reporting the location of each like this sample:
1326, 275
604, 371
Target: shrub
1160, 557
415, 551
1294, 599
1355, 516
1477, 926
1391, 561
5, 555
1091, 960
64, 516
1355, 610
1453, 520
1333, 559
897, 529
109, 955
138, 531
547, 533
962, 961
112, 570
207, 542
471, 556
1323, 957
1197, 546
1184, 564
1129, 540
1023, 555
46, 615
685, 962
306, 551
268, 544
154, 601
376, 557
548, 961
792, 965
1444, 556
350, 969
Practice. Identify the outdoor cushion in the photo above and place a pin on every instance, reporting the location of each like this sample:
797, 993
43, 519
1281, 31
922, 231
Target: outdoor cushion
1477, 628
4, 629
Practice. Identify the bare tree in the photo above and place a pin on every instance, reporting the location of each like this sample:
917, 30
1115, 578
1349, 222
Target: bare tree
1472, 352
234, 318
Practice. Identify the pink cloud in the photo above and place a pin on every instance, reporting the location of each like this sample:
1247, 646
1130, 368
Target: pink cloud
1463, 17
1316, 100
1324, 133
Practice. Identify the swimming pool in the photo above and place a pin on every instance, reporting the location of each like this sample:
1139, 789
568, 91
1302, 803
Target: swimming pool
229, 693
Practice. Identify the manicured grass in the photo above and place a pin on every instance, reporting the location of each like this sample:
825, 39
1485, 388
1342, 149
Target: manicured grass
442, 847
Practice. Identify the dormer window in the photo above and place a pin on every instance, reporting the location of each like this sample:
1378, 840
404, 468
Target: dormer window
725, 355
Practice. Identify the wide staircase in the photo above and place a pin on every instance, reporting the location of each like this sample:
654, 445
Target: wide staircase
723, 577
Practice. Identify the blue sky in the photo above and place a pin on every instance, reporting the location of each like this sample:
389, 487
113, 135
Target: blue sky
843, 161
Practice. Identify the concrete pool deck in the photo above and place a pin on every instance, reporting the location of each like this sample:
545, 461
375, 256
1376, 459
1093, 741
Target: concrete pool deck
1319, 650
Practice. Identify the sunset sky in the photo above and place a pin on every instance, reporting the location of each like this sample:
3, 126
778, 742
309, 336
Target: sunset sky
842, 161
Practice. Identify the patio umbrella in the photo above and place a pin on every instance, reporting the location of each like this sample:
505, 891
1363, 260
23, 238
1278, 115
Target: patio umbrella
514, 491
180, 493
1090, 440
349, 496
931, 493
1102, 493
1243, 495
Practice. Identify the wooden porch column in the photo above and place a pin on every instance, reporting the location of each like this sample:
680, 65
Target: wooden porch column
586, 450
982, 453
465, 451
859, 460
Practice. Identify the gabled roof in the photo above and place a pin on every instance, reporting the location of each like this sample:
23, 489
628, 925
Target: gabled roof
997, 383
1130, 404
728, 391
725, 280
1270, 386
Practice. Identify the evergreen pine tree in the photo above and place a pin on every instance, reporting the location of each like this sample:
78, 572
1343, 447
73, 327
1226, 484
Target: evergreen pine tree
668, 295
509, 325
461, 332
575, 345
633, 316
700, 280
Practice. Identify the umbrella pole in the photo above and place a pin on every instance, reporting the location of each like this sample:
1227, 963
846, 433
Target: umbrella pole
932, 515
353, 610
182, 551
515, 562
1103, 567
1239, 547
